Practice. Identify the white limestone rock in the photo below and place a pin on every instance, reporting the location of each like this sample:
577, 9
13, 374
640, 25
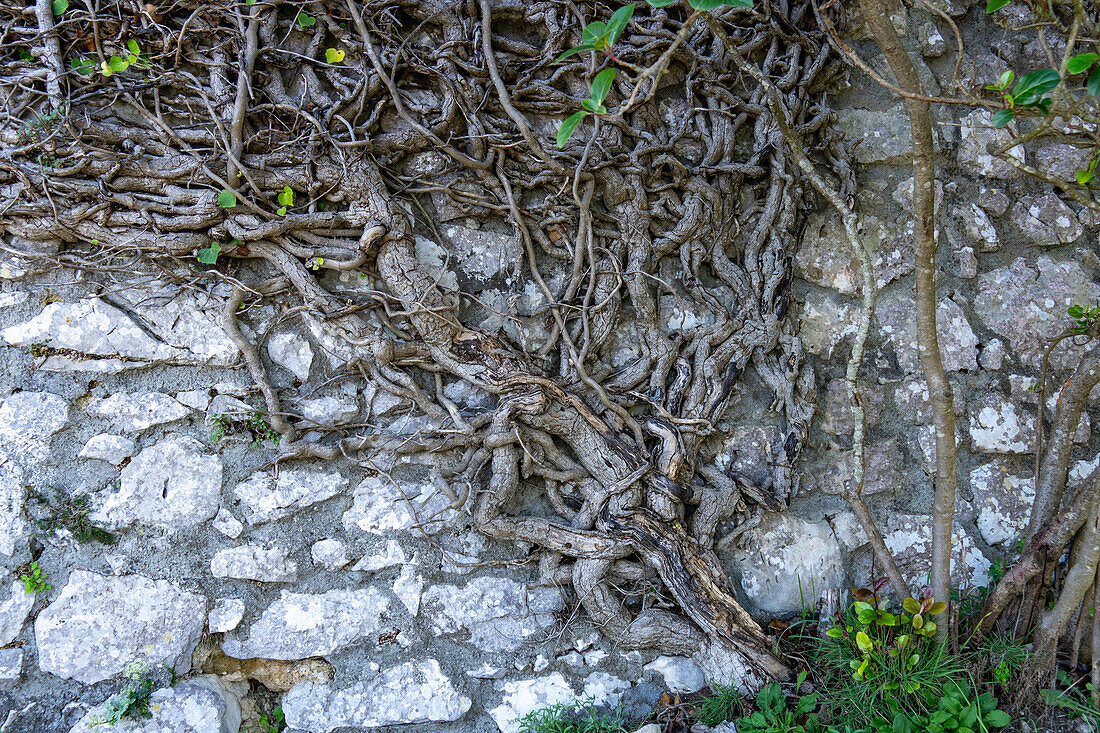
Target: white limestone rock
200, 705
99, 624
11, 667
225, 616
408, 587
976, 131
113, 449
784, 557
380, 506
27, 422
413, 692
329, 554
301, 625
13, 612
393, 555
980, 229
1002, 501
265, 498
196, 399
524, 696
136, 411
254, 562
227, 524
171, 484
681, 674
292, 352
909, 538
13, 526
999, 426
498, 613
826, 258
329, 411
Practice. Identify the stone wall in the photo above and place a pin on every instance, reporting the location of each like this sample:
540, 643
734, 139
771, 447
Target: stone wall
376, 600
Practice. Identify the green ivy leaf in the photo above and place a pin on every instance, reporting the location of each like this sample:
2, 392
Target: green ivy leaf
601, 85
1093, 83
306, 20
334, 55
59, 6
715, 4
82, 66
568, 126
575, 50
994, 5
133, 46
1081, 62
117, 63
281, 211
227, 199
286, 198
1003, 117
617, 24
209, 255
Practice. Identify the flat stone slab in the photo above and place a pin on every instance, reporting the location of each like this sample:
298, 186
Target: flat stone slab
99, 624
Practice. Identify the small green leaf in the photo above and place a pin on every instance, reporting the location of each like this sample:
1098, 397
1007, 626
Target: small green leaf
1003, 117
334, 55
594, 32
568, 126
997, 718
209, 255
117, 63
994, 5
281, 211
1037, 82
227, 199
306, 20
59, 6
601, 85
1080, 62
617, 24
1093, 83
864, 643
286, 198
835, 633
1006, 79
105, 68
589, 105
575, 50
1084, 178
133, 46
660, 3
82, 66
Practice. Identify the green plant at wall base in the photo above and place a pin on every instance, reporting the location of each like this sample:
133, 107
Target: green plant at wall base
132, 701
273, 723
1072, 700
35, 581
573, 718
773, 715
719, 706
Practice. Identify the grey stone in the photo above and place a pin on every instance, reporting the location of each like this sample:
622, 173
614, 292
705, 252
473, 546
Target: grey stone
329, 554
499, 613
681, 674
99, 624
137, 411
199, 705
524, 696
958, 344
1026, 304
483, 255
254, 562
413, 692
225, 616
980, 229
877, 137
968, 263
266, 498
13, 612
393, 555
932, 43
113, 449
292, 352
111, 341
329, 411
826, 258
882, 471
993, 201
301, 625
196, 399
1002, 501
1046, 220
836, 409
13, 527
909, 538
976, 132
11, 667
27, 422
1063, 161
171, 484
781, 553
903, 194
380, 505
9, 300
999, 426
993, 355
824, 323
227, 524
